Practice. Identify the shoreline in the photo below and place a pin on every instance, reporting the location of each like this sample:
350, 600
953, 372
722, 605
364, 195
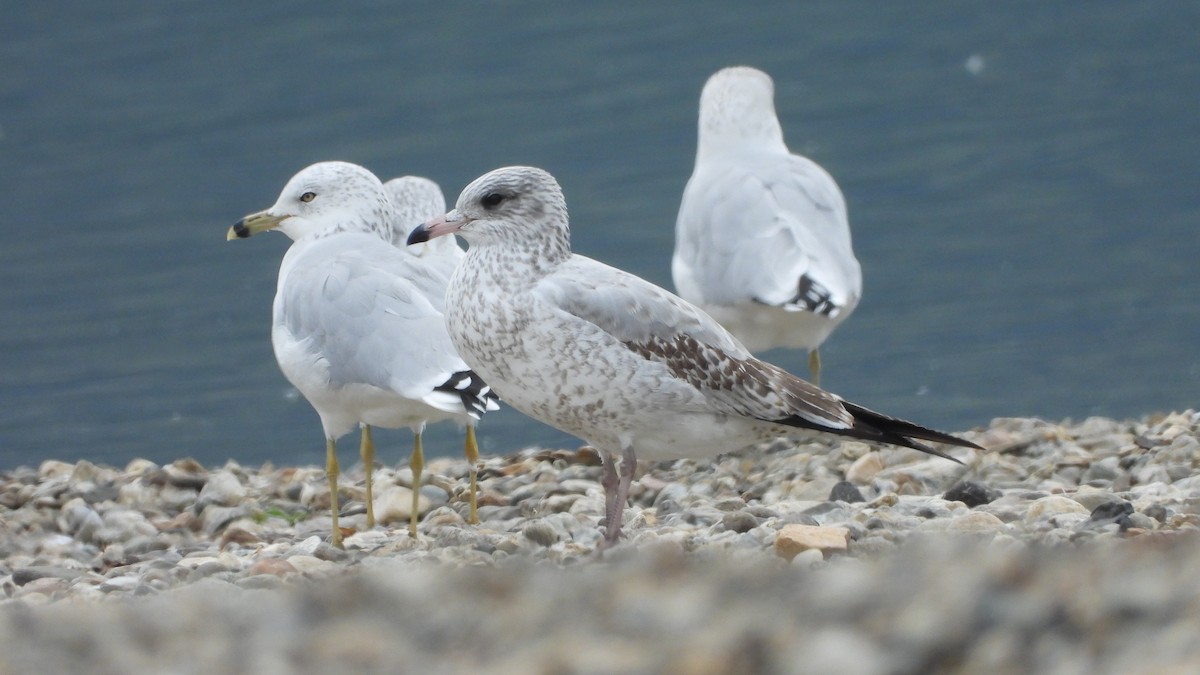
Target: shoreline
1090, 530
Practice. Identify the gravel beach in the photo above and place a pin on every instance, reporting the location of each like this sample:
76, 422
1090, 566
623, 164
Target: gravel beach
1066, 547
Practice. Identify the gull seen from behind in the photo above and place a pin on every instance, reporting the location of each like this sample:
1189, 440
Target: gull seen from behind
762, 240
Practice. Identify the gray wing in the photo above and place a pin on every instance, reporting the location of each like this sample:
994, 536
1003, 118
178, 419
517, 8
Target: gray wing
772, 230
358, 304
666, 329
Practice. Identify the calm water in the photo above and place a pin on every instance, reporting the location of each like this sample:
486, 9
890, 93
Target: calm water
1022, 180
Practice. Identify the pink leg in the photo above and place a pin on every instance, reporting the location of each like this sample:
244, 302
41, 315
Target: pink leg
615, 503
610, 483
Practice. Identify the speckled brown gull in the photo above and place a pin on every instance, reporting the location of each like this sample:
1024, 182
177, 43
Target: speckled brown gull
611, 358
358, 325
762, 241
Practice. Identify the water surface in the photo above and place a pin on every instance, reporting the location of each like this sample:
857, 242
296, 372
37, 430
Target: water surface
1022, 183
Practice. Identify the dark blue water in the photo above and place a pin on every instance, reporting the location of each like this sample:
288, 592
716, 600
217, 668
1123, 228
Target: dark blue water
1023, 181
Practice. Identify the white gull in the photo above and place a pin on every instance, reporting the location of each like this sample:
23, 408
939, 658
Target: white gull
611, 358
354, 327
416, 199
762, 241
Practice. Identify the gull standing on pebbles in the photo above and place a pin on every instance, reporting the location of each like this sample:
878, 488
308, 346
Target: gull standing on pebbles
354, 329
762, 242
417, 199
611, 358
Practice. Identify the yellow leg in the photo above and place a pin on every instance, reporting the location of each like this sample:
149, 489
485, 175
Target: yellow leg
416, 463
814, 366
472, 452
367, 451
331, 473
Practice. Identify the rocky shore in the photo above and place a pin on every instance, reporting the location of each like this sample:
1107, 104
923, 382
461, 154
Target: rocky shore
1066, 547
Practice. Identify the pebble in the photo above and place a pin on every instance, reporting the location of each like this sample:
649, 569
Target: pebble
793, 539
1096, 521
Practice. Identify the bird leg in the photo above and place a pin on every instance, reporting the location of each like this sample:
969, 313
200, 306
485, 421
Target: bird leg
416, 463
609, 483
367, 451
472, 452
331, 474
615, 499
814, 366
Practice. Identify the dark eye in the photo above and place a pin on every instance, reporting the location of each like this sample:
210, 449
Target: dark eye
308, 197
492, 200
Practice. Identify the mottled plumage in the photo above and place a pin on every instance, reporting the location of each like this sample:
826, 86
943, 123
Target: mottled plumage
762, 241
609, 357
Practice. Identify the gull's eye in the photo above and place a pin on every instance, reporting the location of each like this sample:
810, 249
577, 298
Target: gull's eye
492, 200
308, 197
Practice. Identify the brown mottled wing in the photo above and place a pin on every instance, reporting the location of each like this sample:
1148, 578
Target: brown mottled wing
662, 327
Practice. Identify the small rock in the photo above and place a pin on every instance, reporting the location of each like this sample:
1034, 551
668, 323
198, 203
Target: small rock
306, 547
121, 525
187, 474
808, 558
1053, 505
1115, 512
394, 505
542, 533
80, 520
307, 564
215, 518
125, 583
971, 522
260, 582
864, 468
24, 575
53, 468
1157, 512
139, 467
277, 567
739, 521
845, 491
793, 539
237, 535
222, 488
366, 540
971, 493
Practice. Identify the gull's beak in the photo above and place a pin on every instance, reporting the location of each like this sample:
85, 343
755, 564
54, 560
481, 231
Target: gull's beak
253, 224
447, 224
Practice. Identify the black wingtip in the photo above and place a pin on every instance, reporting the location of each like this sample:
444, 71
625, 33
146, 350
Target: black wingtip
869, 425
476, 396
902, 432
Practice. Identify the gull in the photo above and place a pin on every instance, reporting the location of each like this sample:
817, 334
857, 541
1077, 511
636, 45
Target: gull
354, 329
762, 242
416, 199
611, 358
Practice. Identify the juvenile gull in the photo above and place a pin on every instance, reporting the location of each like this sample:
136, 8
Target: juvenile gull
762, 242
611, 358
354, 328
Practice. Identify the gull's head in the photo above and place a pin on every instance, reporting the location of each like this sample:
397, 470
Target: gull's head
324, 198
509, 206
737, 107
416, 200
